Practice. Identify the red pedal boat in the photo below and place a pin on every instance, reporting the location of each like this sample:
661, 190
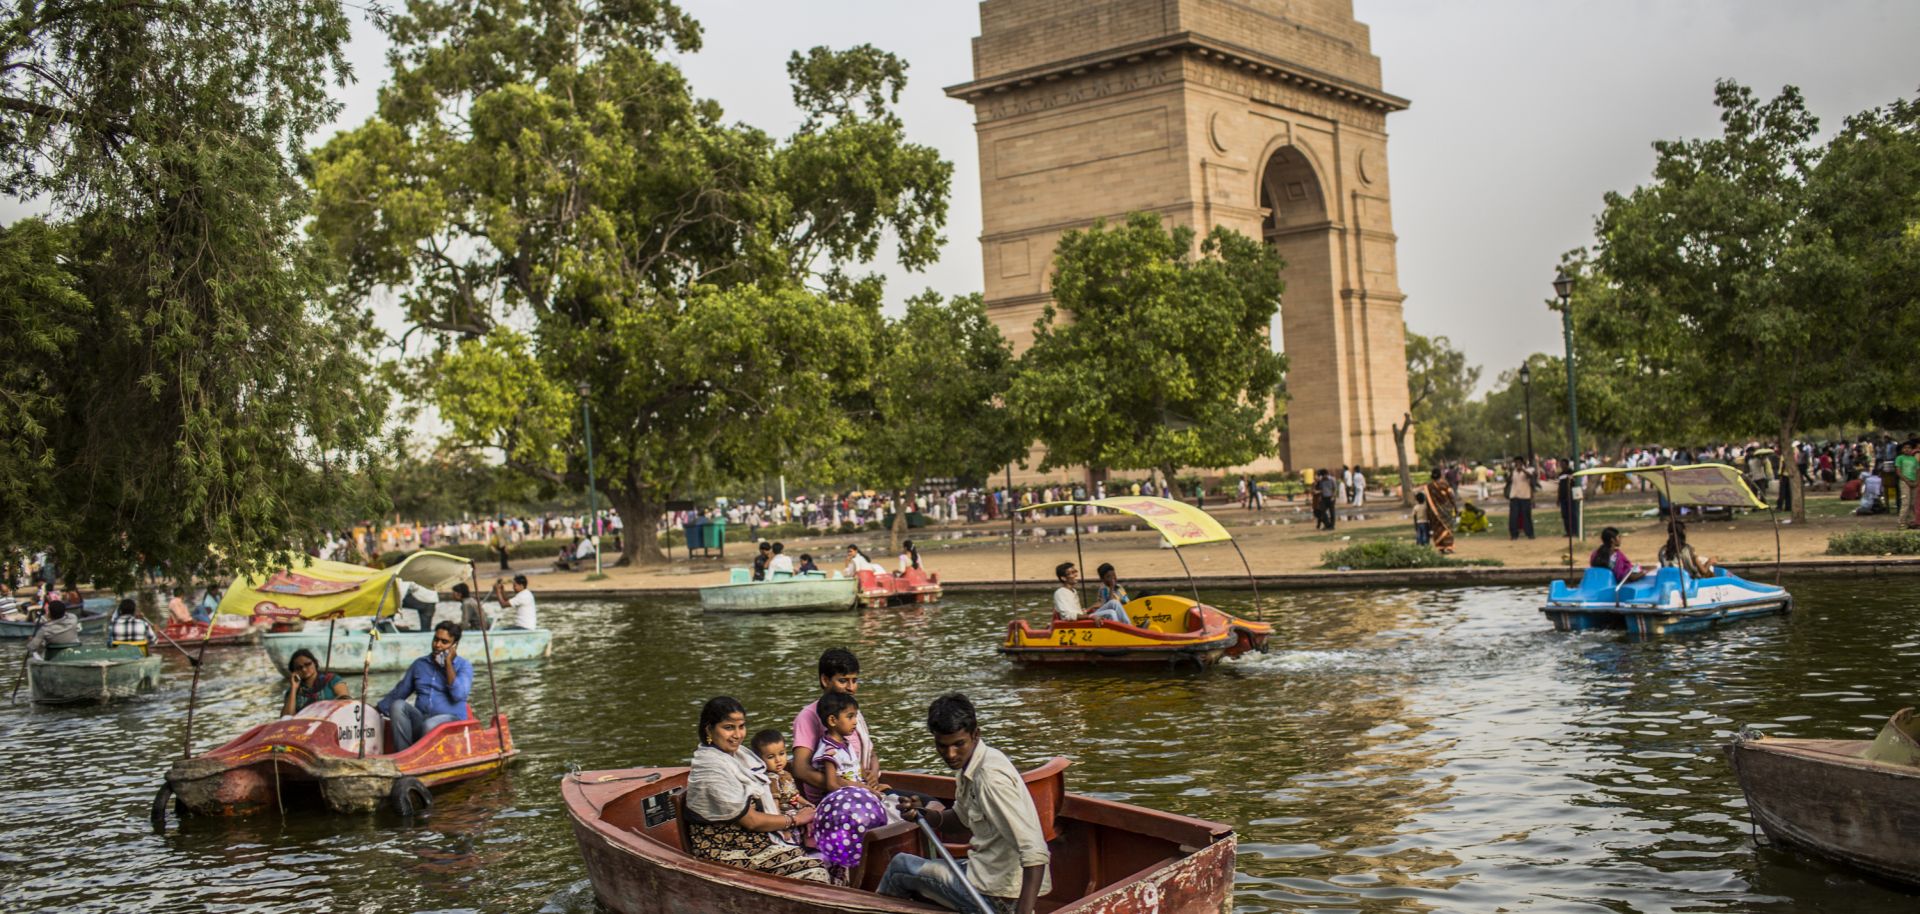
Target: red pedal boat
1108, 857
320, 750
189, 634
879, 589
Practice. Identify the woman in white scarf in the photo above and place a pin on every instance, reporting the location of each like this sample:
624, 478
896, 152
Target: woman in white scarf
729, 797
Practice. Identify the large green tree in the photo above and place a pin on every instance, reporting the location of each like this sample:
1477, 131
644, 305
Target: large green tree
184, 390
1761, 283
938, 397
1441, 384
1154, 353
556, 207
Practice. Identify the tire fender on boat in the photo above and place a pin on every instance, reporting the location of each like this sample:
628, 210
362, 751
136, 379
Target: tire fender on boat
411, 798
163, 798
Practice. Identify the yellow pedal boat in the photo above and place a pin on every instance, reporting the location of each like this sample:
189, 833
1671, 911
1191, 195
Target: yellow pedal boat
1165, 629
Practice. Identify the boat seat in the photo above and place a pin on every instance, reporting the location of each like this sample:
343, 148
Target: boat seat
1596, 585
740, 576
679, 795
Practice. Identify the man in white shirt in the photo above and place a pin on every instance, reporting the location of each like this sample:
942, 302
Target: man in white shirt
782, 562
521, 603
1066, 599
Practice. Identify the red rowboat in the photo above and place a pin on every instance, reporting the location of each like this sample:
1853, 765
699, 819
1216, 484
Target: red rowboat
319, 751
192, 633
1108, 858
879, 589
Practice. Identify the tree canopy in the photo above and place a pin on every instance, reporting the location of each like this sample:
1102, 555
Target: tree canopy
1761, 282
558, 210
1165, 362
185, 391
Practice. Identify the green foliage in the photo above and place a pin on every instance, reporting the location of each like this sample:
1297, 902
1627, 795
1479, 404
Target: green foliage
1874, 542
938, 392
1165, 362
1441, 384
546, 197
1759, 284
184, 390
1379, 555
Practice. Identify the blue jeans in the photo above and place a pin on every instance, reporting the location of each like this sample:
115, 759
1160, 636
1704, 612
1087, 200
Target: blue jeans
909, 876
1112, 612
409, 724
1422, 534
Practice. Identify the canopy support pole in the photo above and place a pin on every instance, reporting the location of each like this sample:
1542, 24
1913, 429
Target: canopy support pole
1673, 518
1189, 571
1572, 520
1079, 592
1259, 612
193, 691
366, 659
1775, 517
330, 624
486, 644
1013, 538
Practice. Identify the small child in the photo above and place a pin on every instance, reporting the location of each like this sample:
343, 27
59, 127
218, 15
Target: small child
1422, 520
837, 756
771, 747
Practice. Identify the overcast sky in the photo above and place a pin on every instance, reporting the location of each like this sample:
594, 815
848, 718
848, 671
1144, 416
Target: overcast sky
1524, 113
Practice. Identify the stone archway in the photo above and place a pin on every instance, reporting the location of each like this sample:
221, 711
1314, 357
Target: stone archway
1263, 116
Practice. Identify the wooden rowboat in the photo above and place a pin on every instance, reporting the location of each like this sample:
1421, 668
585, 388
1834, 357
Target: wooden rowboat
73, 675
1165, 630
227, 635
813, 592
319, 751
1108, 858
23, 629
1851, 801
344, 651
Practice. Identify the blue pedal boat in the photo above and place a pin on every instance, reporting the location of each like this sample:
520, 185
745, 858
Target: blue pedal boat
1670, 601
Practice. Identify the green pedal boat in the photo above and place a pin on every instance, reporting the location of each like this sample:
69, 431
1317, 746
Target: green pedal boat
83, 674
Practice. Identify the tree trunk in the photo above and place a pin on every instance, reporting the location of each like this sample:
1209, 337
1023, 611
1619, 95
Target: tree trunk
1400, 450
898, 533
640, 522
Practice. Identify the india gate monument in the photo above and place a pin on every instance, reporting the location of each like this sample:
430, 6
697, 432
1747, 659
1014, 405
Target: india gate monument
1264, 116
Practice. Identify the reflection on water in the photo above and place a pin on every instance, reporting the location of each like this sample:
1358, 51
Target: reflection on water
1431, 750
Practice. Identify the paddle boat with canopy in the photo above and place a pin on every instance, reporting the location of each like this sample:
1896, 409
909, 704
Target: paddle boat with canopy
879, 588
1671, 599
337, 748
1163, 629
336, 591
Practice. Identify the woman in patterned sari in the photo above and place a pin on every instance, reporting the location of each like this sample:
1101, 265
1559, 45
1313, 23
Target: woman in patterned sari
732, 816
1445, 513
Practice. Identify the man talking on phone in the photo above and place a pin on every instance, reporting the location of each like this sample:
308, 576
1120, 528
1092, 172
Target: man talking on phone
438, 684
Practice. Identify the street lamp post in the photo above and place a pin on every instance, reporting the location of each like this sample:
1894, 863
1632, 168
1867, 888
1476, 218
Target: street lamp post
1563, 287
593, 488
1526, 386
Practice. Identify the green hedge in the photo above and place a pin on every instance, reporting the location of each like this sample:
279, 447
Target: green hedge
1874, 542
1380, 555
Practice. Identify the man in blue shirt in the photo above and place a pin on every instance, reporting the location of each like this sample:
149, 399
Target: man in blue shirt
438, 683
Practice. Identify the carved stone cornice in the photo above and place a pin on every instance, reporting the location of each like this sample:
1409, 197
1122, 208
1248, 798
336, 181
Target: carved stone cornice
1333, 87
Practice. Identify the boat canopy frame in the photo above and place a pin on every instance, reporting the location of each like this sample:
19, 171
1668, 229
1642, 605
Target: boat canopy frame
1714, 485
1179, 523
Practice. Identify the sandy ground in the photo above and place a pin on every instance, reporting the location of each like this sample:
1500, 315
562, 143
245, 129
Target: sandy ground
1280, 540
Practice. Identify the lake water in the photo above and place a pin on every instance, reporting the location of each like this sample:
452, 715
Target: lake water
1430, 750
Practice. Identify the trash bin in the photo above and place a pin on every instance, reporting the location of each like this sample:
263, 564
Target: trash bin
716, 534
694, 531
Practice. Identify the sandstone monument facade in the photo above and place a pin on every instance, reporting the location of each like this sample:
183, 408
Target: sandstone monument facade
1265, 116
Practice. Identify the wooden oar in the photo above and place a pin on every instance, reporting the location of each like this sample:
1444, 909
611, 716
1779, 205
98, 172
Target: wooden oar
958, 873
23, 667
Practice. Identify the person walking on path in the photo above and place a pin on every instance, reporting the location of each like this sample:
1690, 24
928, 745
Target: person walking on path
1907, 467
1521, 485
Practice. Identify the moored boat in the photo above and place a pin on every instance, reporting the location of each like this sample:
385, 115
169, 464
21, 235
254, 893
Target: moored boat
1165, 629
811, 592
224, 634
343, 651
1851, 801
1107, 857
91, 673
334, 749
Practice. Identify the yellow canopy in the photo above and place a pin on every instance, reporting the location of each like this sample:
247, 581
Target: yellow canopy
1181, 523
326, 589
1696, 484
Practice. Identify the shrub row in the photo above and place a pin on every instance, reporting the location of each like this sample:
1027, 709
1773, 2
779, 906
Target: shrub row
1380, 555
1874, 542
